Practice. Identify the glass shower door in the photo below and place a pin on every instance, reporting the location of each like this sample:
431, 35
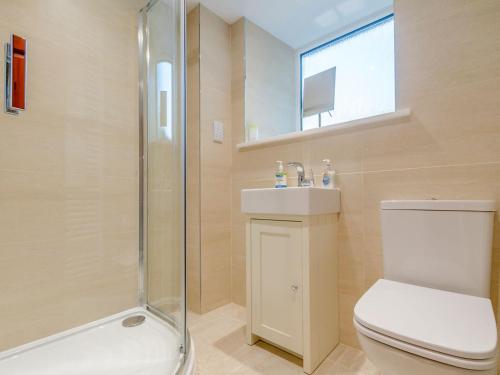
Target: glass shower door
163, 192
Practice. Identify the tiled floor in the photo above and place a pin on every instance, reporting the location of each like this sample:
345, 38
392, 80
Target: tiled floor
219, 339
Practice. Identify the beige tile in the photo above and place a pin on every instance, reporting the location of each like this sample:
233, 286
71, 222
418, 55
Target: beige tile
261, 163
219, 339
345, 150
238, 279
209, 204
68, 168
469, 46
215, 48
351, 265
351, 187
347, 330
32, 203
373, 261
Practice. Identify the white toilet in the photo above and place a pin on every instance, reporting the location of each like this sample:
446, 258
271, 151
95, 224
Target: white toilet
431, 314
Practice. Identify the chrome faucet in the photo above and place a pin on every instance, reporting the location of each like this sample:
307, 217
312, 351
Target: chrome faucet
301, 176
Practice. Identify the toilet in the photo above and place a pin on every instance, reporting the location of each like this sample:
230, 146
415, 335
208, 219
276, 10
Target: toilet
431, 313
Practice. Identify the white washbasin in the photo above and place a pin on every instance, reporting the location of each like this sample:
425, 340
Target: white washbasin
290, 201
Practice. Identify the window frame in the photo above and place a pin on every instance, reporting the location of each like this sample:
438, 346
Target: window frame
362, 25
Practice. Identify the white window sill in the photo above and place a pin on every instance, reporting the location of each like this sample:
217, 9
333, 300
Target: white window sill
368, 122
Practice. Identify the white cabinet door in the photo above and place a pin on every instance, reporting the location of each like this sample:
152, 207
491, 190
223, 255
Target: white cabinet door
277, 282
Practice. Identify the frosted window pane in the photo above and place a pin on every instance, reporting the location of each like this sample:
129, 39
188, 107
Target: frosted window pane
164, 99
310, 122
365, 73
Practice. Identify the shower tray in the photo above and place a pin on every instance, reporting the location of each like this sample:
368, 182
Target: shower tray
103, 347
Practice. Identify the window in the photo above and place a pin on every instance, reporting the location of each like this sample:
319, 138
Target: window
164, 90
364, 74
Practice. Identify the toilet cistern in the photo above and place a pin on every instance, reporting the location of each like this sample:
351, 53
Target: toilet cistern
431, 313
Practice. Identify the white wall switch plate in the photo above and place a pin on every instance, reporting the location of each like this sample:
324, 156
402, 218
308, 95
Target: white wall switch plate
218, 128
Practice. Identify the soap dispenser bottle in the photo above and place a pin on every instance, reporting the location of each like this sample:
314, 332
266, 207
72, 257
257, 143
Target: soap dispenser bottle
280, 176
328, 180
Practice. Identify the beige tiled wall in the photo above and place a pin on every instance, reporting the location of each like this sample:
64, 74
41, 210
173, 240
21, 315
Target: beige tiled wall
448, 73
213, 266
238, 129
69, 168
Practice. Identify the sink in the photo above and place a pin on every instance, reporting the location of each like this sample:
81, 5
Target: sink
290, 201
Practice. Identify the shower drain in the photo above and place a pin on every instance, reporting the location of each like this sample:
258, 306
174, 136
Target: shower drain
133, 321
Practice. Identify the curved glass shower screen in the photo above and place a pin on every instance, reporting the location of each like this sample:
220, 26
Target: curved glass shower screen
163, 149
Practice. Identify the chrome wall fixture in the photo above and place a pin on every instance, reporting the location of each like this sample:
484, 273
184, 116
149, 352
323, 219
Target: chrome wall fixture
16, 68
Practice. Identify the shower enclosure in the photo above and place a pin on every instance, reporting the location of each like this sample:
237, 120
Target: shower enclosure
162, 275
150, 338
162, 85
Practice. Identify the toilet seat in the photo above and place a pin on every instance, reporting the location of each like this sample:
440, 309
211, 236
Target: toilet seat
470, 364
447, 327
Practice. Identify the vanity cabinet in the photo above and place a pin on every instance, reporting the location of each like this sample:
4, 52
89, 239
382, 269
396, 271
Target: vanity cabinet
276, 259
292, 284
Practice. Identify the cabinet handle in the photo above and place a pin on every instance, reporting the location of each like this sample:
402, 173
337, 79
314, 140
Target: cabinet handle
294, 288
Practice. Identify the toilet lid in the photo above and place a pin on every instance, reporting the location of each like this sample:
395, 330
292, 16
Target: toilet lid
450, 323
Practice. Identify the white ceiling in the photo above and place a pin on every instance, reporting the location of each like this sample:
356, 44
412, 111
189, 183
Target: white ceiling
297, 22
